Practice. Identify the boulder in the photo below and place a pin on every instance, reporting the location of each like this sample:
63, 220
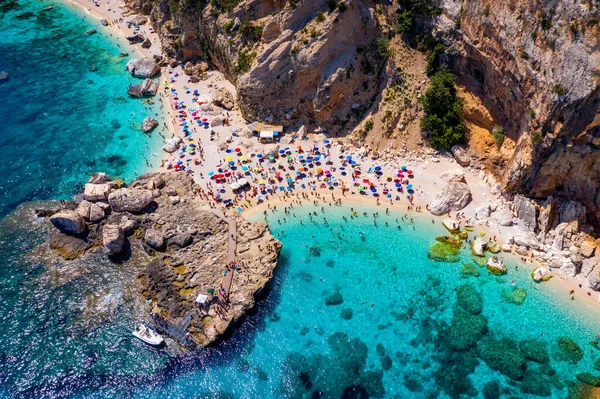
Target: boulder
504, 216
149, 124
594, 279
155, 239
587, 266
143, 67
541, 274
453, 197
271, 31
496, 266
137, 38
546, 217
217, 121
483, 211
568, 268
3, 76
453, 175
526, 213
461, 156
146, 43
83, 209
113, 239
478, 246
148, 88
182, 240
172, 144
302, 132
139, 20
104, 22
270, 150
96, 192
99, 178
68, 222
130, 200
451, 224
96, 213
68, 247
223, 98
587, 248
527, 240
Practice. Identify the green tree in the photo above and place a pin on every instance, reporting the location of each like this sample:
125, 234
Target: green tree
383, 47
443, 112
405, 22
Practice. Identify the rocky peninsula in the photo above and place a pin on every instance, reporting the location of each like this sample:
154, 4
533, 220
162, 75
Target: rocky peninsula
190, 243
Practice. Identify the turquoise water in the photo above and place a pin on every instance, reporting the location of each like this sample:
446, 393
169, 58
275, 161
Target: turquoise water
65, 112
398, 333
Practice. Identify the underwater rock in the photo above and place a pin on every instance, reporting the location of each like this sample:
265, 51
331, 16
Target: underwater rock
469, 270
372, 382
589, 378
386, 363
346, 313
412, 384
334, 299
517, 296
535, 350
465, 329
330, 263
469, 298
491, 390
535, 384
453, 373
569, 349
315, 251
444, 252
380, 349
503, 356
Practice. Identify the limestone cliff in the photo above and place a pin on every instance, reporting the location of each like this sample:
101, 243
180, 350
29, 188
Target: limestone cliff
535, 64
292, 61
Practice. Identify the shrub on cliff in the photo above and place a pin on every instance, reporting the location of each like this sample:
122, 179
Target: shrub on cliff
443, 112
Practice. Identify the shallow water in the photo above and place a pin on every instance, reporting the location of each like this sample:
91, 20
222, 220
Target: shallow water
65, 111
390, 337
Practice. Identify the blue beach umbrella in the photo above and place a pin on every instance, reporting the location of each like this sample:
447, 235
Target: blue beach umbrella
378, 168
211, 173
259, 156
409, 187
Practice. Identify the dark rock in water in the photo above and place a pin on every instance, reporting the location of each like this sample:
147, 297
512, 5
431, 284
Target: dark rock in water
503, 356
305, 276
469, 270
386, 363
346, 313
412, 384
453, 373
372, 382
569, 349
516, 296
469, 298
465, 329
546, 368
330, 263
275, 317
535, 384
243, 365
104, 22
315, 251
67, 246
304, 331
380, 349
260, 374
589, 378
123, 54
91, 32
535, 350
44, 213
334, 299
3, 76
491, 390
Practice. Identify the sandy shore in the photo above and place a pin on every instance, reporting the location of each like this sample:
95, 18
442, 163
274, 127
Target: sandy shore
176, 88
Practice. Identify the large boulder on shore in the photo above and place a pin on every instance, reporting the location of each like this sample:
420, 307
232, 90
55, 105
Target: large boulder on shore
113, 238
504, 216
130, 200
96, 192
223, 98
143, 67
148, 88
68, 222
172, 145
453, 197
461, 156
149, 124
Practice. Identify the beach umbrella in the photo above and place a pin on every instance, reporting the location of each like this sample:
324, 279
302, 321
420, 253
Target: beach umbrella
277, 173
210, 290
290, 180
348, 157
326, 141
398, 185
259, 156
234, 186
237, 150
243, 182
378, 168
242, 158
204, 120
262, 182
300, 156
319, 170
179, 163
244, 168
282, 151
328, 172
231, 163
409, 187
229, 159
211, 173
403, 167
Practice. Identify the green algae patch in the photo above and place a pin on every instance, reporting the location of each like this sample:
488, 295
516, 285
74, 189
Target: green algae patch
494, 248
503, 356
469, 298
346, 313
569, 350
463, 235
469, 270
478, 260
535, 350
516, 296
535, 384
445, 249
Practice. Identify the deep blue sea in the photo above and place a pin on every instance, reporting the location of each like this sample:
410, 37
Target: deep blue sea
357, 309
64, 111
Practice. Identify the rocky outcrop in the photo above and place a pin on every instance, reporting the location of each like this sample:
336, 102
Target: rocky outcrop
172, 144
453, 197
68, 222
195, 241
130, 200
504, 216
526, 212
223, 98
96, 192
113, 239
149, 124
147, 88
143, 67
478, 246
461, 156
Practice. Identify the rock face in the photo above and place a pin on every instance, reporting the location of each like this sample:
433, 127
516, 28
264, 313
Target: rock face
149, 124
113, 239
526, 213
68, 222
520, 56
282, 59
130, 200
453, 197
143, 68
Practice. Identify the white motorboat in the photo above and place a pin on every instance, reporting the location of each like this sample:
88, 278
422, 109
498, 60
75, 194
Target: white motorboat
148, 335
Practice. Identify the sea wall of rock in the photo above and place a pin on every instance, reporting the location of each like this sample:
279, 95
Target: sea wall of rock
292, 62
536, 65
